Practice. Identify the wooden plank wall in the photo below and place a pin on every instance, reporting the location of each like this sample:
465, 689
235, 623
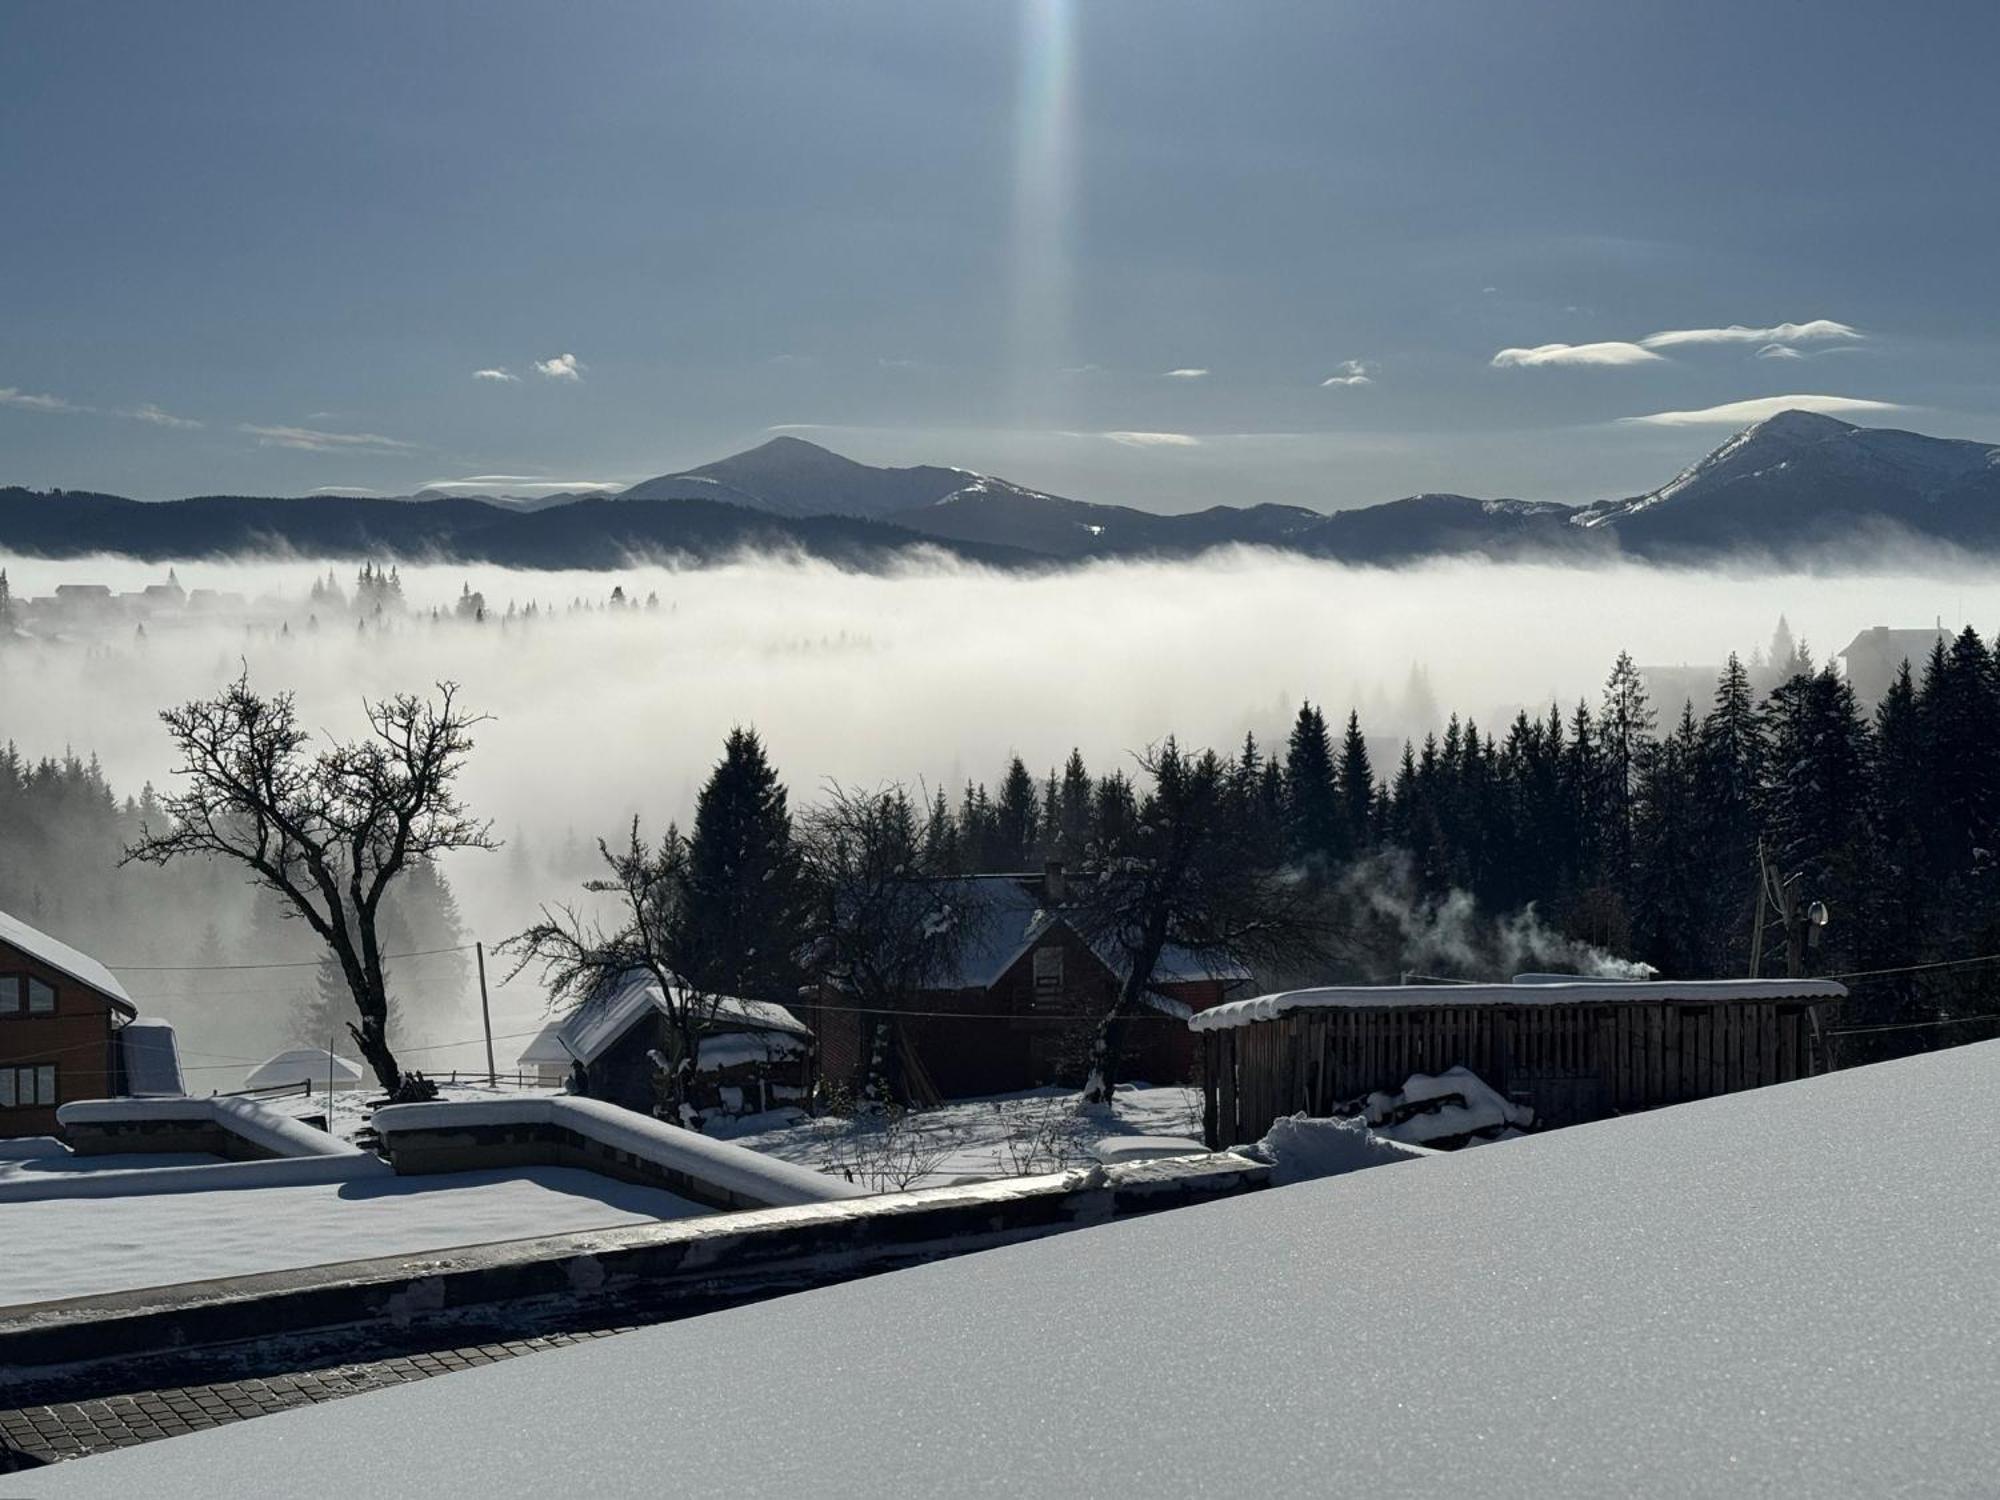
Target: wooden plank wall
1571, 1062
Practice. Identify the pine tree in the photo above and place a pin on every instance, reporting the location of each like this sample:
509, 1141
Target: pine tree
743, 897
1314, 828
1017, 816
1072, 810
1357, 781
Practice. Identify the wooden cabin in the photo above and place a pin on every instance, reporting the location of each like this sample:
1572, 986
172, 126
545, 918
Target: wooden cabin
63, 1019
1573, 1050
1021, 1001
753, 1056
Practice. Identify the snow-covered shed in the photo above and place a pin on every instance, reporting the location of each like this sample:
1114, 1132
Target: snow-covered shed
545, 1059
1779, 1292
1571, 1049
1022, 998
150, 1054
309, 1067
753, 1055
60, 1015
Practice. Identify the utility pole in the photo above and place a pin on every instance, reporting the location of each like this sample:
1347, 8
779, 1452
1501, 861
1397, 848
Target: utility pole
1763, 898
485, 1012
1803, 924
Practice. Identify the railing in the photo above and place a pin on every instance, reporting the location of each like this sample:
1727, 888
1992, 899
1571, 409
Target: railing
269, 1091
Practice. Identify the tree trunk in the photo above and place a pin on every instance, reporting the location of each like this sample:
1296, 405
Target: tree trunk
372, 1037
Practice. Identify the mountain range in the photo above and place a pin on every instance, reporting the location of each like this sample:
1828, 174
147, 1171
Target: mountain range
1794, 482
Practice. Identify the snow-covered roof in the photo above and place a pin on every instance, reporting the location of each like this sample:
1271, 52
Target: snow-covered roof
546, 1046
1537, 992
1783, 1291
65, 960
593, 1026
152, 1058
1005, 916
302, 1065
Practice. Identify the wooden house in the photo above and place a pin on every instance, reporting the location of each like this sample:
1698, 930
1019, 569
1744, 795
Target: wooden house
1020, 1003
1573, 1050
64, 1024
753, 1056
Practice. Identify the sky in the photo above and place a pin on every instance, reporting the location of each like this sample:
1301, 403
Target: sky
1137, 251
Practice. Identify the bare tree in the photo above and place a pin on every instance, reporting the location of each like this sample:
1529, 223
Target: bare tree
583, 962
885, 923
328, 830
1187, 874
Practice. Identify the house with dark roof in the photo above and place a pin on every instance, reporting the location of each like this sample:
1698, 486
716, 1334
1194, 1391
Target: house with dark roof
65, 1022
753, 1056
1022, 1001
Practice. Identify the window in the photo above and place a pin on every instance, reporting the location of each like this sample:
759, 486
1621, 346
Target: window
20, 992
23, 1087
1048, 978
1048, 970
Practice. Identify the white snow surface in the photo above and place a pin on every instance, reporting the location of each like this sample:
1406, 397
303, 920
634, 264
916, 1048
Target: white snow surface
1783, 1291
974, 1140
1536, 991
1302, 1149
765, 1179
81, 1247
60, 956
267, 1128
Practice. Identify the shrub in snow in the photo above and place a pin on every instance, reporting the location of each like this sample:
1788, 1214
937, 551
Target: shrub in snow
1300, 1148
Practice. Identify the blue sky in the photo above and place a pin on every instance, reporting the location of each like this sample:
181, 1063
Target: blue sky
267, 248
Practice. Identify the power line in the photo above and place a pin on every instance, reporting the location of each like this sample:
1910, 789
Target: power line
1946, 963
304, 963
1989, 1015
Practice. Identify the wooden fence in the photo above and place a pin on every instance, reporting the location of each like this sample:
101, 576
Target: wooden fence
1570, 1062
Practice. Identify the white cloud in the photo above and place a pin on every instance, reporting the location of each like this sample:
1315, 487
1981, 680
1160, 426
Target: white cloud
357, 490
312, 440
497, 373
29, 401
1779, 351
1612, 352
561, 367
1186, 372
1738, 413
1152, 439
520, 482
1737, 333
146, 411
1352, 372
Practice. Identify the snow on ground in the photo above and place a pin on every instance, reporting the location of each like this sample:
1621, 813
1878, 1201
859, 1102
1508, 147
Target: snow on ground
44, 1159
1783, 1291
79, 1247
351, 1109
974, 1140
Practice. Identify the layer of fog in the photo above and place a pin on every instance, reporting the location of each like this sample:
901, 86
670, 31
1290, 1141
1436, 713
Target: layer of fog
929, 675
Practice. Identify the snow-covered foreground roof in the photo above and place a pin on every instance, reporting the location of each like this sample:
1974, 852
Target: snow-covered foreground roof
64, 959
1782, 1291
722, 1164
1580, 992
85, 1246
